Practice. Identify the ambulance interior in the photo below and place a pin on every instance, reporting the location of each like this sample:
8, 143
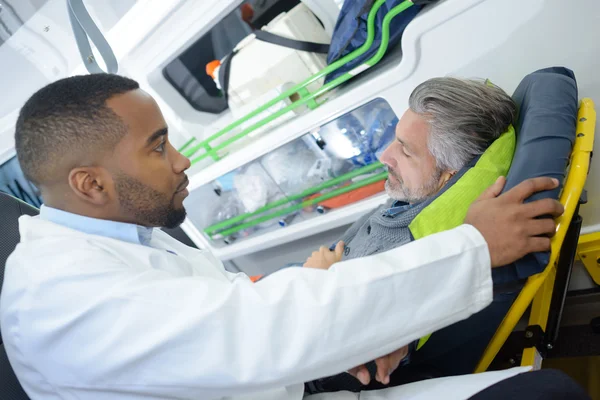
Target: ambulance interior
285, 156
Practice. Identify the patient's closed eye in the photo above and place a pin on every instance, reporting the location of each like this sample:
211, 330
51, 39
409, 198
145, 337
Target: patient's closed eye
404, 152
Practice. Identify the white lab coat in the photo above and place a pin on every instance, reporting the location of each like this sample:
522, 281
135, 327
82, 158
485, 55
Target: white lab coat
90, 317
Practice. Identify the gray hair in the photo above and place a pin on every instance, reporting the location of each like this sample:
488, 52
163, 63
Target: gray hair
465, 117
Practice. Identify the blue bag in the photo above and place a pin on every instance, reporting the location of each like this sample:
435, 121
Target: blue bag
351, 31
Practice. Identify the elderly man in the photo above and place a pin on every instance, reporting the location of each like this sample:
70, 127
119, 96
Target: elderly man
449, 122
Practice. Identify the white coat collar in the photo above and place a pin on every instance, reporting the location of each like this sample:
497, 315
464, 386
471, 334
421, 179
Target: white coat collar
116, 230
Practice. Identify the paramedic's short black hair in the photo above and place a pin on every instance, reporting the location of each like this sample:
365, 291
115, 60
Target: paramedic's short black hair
66, 121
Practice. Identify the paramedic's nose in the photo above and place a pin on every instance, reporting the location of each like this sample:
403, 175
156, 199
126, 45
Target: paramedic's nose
388, 159
181, 164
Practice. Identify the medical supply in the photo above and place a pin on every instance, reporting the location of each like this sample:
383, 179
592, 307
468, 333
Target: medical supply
332, 166
254, 187
225, 182
362, 135
283, 222
228, 207
297, 165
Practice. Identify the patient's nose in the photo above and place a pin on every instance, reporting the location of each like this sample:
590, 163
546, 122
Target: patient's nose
387, 158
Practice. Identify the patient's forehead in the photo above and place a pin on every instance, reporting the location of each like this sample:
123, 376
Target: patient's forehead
413, 131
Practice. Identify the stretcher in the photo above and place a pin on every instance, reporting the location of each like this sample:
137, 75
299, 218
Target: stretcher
546, 292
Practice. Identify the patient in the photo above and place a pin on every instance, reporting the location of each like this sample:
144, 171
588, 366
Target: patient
449, 122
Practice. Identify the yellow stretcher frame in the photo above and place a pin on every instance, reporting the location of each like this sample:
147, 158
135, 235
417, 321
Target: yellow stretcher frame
538, 289
588, 251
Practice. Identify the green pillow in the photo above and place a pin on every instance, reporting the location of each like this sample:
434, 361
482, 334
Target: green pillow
450, 208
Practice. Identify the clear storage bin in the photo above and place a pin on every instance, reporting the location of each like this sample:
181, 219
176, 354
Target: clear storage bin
276, 190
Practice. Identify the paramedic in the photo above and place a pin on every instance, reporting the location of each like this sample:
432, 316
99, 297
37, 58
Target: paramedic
449, 122
97, 304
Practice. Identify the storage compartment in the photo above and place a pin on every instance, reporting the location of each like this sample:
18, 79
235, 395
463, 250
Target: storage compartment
328, 168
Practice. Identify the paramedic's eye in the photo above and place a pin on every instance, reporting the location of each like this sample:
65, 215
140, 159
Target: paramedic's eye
160, 148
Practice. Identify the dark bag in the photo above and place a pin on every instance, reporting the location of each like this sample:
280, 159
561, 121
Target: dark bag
351, 31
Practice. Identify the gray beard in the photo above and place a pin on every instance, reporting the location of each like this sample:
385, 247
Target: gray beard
399, 192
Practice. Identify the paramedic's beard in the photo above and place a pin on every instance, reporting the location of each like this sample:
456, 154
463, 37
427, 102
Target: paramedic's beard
397, 190
149, 207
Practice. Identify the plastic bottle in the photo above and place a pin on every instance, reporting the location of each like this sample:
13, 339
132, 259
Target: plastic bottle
285, 221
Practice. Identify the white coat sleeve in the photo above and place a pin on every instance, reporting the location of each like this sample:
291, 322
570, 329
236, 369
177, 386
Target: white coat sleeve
208, 338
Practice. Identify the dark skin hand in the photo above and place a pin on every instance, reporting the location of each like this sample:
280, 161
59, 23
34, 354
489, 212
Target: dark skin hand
512, 228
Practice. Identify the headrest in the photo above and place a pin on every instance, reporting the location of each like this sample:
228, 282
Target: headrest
547, 106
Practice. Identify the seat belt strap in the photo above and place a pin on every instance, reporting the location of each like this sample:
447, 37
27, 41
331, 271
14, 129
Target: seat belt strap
84, 30
299, 45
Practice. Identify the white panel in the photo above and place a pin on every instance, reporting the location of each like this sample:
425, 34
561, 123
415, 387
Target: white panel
270, 260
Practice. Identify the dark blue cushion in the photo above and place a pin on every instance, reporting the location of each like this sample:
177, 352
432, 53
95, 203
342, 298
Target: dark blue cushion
547, 104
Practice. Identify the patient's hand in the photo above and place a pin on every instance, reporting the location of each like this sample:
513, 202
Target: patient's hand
325, 258
385, 366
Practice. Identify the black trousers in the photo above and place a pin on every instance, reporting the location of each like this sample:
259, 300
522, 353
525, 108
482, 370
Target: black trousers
546, 384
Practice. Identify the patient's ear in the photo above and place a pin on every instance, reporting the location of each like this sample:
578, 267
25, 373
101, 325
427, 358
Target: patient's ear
446, 176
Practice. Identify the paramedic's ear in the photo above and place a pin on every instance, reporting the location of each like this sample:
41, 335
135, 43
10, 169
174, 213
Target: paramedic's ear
88, 184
